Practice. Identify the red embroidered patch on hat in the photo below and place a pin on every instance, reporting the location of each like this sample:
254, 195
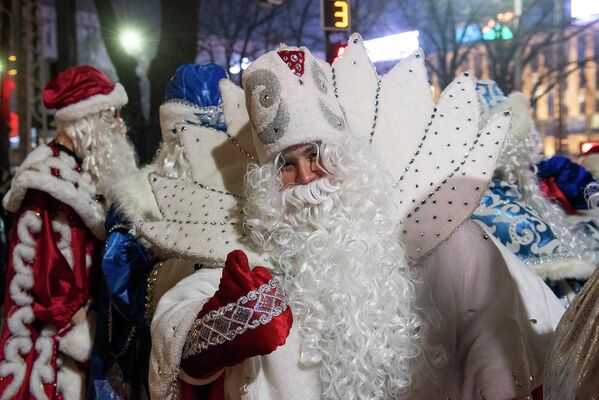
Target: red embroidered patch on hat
294, 60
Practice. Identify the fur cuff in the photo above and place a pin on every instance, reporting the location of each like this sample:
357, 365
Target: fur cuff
77, 342
564, 268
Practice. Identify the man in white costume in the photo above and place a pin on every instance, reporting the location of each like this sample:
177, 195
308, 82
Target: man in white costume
373, 272
323, 209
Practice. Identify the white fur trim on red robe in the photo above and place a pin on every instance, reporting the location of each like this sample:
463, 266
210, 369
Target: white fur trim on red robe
72, 187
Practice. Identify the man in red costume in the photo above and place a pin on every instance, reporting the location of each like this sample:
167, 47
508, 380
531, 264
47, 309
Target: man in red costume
56, 198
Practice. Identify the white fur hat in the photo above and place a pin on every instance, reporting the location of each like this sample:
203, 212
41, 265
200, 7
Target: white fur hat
291, 100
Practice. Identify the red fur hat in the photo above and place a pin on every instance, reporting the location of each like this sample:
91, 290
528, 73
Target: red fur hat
80, 91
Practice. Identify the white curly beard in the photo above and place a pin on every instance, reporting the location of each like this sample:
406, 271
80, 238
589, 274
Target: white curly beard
101, 141
334, 243
171, 161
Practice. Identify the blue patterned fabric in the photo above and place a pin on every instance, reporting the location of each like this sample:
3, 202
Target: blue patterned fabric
570, 177
517, 226
120, 356
197, 85
520, 229
489, 93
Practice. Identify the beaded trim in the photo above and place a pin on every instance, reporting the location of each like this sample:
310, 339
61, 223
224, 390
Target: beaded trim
243, 151
150, 284
256, 308
376, 110
452, 174
128, 341
425, 136
202, 186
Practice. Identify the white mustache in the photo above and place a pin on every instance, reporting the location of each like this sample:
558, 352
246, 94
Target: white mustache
313, 193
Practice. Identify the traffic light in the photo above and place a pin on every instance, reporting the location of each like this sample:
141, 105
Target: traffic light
334, 51
336, 15
587, 148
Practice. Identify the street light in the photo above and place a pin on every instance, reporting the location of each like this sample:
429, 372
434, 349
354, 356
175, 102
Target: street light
131, 41
237, 66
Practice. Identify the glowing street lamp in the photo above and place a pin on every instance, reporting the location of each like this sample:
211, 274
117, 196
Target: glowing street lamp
237, 66
131, 41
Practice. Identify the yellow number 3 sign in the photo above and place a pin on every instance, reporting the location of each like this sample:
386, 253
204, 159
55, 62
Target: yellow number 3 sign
341, 14
336, 15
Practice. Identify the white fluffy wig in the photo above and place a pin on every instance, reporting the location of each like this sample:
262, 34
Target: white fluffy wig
100, 140
335, 245
170, 159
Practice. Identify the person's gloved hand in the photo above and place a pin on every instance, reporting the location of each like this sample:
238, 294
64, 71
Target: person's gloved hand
247, 316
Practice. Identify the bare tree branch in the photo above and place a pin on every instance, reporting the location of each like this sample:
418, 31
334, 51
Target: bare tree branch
554, 75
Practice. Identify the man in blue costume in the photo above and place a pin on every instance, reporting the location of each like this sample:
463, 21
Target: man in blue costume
527, 205
119, 363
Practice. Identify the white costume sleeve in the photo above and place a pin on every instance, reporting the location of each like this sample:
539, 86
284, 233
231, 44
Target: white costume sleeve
173, 318
493, 348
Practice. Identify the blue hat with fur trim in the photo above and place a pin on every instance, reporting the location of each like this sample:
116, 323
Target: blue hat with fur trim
196, 86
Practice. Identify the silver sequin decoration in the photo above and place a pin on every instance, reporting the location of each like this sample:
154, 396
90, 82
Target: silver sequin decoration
276, 129
333, 119
269, 95
209, 116
320, 79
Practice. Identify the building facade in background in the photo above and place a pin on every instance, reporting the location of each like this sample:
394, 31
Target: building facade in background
579, 58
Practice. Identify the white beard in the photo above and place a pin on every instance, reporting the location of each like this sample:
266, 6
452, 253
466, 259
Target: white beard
114, 159
334, 243
171, 160
101, 141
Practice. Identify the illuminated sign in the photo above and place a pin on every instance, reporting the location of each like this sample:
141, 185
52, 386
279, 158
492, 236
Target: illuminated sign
392, 47
492, 30
497, 32
336, 15
585, 10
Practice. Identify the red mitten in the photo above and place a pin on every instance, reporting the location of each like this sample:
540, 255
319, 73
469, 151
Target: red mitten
247, 316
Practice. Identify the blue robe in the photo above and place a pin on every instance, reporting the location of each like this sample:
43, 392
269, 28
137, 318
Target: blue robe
120, 358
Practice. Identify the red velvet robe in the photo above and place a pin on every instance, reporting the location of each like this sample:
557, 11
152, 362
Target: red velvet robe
52, 252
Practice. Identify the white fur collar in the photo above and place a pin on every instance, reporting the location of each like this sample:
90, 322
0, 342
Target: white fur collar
135, 198
60, 178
